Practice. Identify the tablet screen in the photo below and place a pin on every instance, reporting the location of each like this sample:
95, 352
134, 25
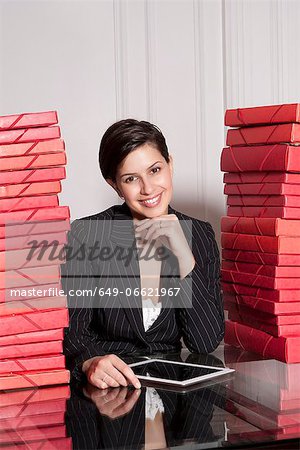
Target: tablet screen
172, 371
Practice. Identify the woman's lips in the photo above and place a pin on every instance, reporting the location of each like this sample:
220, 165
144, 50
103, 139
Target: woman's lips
154, 201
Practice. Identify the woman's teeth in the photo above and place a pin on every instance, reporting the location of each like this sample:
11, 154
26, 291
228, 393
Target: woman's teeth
153, 201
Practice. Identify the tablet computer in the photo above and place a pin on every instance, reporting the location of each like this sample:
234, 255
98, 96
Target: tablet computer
176, 373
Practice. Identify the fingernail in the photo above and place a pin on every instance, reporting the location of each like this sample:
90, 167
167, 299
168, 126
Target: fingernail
137, 385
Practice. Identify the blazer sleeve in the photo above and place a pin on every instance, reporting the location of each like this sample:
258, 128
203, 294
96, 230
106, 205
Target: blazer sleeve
81, 342
201, 321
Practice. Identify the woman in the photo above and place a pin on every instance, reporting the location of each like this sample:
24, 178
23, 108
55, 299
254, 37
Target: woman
155, 278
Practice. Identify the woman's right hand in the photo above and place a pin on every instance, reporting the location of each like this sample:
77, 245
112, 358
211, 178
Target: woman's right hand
109, 371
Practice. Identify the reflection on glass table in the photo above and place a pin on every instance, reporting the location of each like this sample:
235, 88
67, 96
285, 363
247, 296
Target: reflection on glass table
257, 405
235, 412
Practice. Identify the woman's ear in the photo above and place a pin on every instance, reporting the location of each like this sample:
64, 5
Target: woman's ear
114, 186
171, 164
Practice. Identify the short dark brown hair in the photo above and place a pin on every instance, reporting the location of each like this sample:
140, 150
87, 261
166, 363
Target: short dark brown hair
122, 138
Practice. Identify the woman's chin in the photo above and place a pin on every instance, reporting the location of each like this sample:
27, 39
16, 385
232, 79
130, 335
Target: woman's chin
151, 213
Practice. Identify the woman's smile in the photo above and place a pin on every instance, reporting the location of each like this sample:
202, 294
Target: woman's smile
152, 202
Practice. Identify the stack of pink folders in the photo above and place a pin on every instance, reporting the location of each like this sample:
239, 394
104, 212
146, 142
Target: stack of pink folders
33, 232
35, 419
261, 232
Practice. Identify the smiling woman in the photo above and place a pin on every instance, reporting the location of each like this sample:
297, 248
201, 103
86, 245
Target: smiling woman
168, 289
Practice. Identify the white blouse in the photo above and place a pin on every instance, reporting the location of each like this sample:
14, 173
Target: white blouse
151, 311
154, 403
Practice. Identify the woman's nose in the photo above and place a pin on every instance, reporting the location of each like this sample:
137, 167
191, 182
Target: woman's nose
146, 187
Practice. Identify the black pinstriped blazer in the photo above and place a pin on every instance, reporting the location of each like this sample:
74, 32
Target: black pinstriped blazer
114, 324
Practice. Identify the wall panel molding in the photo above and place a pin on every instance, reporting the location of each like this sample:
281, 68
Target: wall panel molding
200, 137
151, 69
121, 68
177, 63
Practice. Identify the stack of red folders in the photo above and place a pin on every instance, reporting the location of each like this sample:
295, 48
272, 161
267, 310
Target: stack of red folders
33, 231
35, 419
261, 232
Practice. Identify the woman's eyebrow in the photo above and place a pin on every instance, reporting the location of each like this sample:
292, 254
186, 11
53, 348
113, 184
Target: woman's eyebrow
125, 174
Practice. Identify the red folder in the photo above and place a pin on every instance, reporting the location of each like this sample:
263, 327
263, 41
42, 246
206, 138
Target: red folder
21, 242
31, 276
34, 336
275, 295
34, 363
257, 341
32, 175
32, 148
262, 269
261, 258
261, 177
234, 307
36, 396
34, 379
15, 136
32, 305
33, 409
33, 161
41, 201
19, 259
264, 244
32, 349
250, 279
35, 215
290, 201
264, 211
27, 120
269, 134
30, 189
278, 309
30, 228
277, 157
258, 115
36, 321
273, 329
261, 226
255, 189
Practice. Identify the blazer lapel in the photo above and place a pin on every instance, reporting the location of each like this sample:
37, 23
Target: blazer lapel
127, 270
168, 268
123, 237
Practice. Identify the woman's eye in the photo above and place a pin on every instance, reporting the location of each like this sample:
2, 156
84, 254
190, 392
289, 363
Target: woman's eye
129, 179
155, 169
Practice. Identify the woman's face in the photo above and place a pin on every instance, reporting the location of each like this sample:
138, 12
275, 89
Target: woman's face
144, 179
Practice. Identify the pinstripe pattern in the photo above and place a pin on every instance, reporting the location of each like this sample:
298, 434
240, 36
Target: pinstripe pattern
116, 324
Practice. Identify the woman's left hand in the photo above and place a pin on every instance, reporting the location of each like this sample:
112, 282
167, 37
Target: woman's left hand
166, 230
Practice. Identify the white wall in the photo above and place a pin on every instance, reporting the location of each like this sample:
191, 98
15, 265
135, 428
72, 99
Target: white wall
178, 63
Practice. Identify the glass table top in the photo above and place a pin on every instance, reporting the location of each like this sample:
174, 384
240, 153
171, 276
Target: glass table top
257, 405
